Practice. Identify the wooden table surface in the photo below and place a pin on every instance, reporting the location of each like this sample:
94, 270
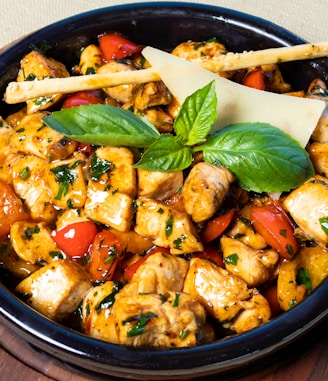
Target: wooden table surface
20, 361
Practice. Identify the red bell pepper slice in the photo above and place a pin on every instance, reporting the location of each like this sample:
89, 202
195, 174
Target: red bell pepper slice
114, 46
74, 239
273, 223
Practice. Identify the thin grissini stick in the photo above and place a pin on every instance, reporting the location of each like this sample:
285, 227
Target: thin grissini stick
17, 92
235, 61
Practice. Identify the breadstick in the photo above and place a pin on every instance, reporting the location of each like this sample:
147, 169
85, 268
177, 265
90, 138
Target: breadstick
17, 92
235, 61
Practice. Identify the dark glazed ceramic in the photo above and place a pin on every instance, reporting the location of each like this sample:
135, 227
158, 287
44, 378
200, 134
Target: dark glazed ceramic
163, 25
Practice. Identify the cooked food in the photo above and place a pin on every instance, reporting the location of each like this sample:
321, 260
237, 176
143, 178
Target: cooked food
132, 212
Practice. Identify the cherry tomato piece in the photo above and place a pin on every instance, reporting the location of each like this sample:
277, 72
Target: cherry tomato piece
271, 295
82, 98
255, 79
75, 239
216, 226
11, 208
272, 222
105, 253
115, 47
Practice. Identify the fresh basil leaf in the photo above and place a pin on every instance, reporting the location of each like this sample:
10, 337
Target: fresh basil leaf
262, 157
197, 116
166, 154
101, 124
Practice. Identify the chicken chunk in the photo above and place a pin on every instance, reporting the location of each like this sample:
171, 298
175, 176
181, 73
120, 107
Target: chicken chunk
193, 50
34, 137
318, 90
91, 59
97, 317
57, 289
67, 183
255, 267
8, 152
204, 190
256, 311
158, 185
122, 93
32, 242
158, 117
166, 227
29, 181
314, 260
308, 206
111, 188
151, 94
172, 320
289, 291
220, 291
319, 157
159, 274
36, 66
244, 232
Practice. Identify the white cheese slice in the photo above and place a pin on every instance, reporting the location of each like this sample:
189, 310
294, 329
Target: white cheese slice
296, 116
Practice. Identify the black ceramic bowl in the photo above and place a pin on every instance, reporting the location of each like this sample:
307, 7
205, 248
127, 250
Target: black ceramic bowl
164, 25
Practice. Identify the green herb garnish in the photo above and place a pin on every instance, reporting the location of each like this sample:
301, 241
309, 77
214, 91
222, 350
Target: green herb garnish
258, 154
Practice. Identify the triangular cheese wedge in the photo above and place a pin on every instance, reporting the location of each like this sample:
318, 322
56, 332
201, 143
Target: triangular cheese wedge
296, 116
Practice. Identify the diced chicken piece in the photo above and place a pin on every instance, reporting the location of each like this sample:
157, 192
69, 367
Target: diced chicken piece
274, 80
220, 291
242, 231
318, 90
67, 183
14, 119
315, 261
71, 216
91, 60
34, 137
29, 176
11, 262
204, 190
151, 94
308, 206
319, 157
172, 320
98, 298
192, 50
122, 93
157, 116
8, 152
32, 242
36, 66
159, 274
97, 319
158, 185
289, 291
255, 267
166, 227
112, 188
256, 311
57, 289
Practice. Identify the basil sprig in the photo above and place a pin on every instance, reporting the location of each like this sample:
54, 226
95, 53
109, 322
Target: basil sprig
103, 125
262, 157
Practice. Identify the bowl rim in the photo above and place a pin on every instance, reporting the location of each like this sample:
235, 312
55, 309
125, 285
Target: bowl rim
69, 345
